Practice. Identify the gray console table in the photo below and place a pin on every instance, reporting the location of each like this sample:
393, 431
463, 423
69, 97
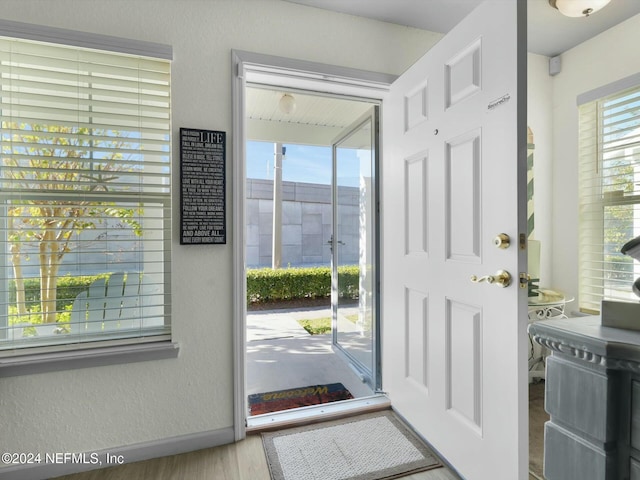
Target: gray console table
592, 394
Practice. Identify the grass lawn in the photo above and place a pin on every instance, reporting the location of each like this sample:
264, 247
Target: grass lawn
318, 326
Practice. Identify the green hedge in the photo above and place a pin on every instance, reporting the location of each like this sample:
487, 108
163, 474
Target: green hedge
263, 285
620, 267
268, 285
68, 290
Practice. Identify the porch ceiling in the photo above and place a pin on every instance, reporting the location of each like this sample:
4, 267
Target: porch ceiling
316, 120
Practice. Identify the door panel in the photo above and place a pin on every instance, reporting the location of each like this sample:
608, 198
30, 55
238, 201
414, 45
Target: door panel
417, 346
416, 204
355, 331
463, 388
463, 74
453, 177
462, 188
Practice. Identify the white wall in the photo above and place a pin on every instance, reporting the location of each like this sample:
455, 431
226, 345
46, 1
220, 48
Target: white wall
610, 56
99, 408
539, 117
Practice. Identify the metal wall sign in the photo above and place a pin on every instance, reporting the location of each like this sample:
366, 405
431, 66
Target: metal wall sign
202, 187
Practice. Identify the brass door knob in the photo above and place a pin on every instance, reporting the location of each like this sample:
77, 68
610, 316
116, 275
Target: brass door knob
502, 278
502, 240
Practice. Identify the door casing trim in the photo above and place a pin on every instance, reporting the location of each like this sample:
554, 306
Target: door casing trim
274, 71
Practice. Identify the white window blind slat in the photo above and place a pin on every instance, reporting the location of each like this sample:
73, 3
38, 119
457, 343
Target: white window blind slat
26, 78
143, 130
63, 116
85, 196
28, 49
39, 102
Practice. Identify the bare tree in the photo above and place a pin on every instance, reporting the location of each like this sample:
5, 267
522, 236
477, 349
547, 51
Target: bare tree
52, 161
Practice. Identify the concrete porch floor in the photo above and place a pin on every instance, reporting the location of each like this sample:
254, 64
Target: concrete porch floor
281, 354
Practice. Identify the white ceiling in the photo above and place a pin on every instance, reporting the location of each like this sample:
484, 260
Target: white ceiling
549, 32
317, 120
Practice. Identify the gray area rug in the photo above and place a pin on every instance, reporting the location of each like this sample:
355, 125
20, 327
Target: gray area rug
373, 446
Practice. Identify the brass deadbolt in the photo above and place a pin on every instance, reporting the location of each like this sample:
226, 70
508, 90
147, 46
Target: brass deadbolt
502, 240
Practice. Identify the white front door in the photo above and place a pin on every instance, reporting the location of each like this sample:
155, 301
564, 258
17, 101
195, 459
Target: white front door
454, 148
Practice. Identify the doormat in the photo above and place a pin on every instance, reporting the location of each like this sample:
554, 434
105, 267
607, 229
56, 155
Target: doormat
268, 402
375, 446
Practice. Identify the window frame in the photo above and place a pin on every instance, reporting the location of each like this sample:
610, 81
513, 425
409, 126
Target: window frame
105, 352
591, 227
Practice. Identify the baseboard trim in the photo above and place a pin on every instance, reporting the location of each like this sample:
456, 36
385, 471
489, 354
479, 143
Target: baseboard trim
127, 454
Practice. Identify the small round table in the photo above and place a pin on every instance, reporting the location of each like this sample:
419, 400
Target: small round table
542, 310
546, 310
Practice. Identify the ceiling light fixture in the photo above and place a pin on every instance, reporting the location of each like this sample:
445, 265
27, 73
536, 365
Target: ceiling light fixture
578, 8
287, 104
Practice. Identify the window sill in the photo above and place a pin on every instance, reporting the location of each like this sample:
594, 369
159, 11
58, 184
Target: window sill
95, 357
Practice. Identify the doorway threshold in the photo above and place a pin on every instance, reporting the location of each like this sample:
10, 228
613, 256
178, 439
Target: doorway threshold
316, 413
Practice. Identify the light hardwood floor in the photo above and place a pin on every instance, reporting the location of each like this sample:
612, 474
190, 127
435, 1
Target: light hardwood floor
244, 460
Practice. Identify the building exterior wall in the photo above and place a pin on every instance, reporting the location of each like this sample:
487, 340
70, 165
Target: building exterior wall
306, 224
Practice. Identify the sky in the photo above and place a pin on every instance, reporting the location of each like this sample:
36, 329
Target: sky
302, 163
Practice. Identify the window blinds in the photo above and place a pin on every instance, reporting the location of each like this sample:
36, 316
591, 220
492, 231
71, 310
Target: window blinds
85, 188
609, 196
